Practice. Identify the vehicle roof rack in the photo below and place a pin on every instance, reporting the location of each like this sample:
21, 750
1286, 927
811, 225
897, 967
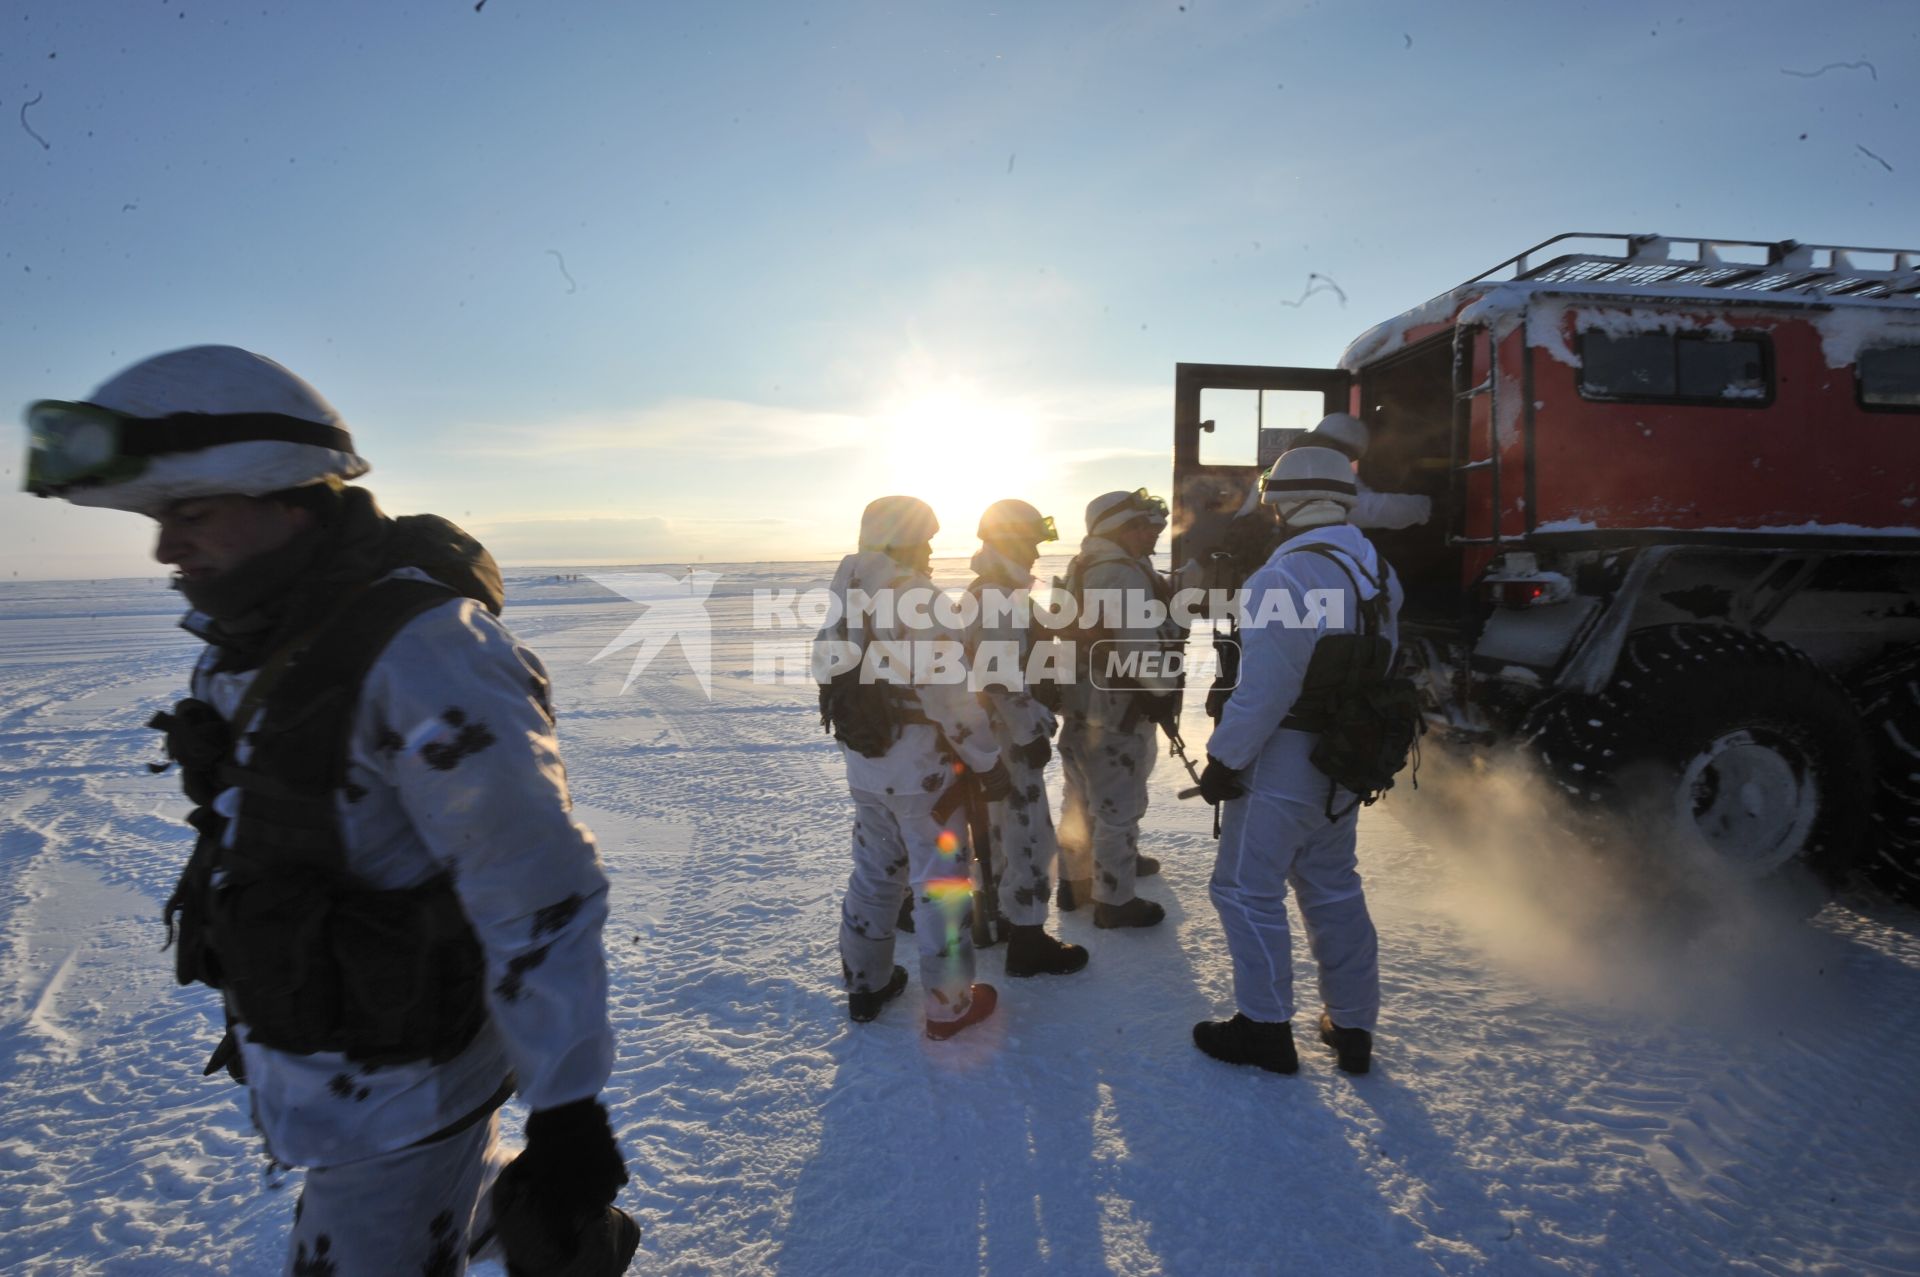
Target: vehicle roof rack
1650, 263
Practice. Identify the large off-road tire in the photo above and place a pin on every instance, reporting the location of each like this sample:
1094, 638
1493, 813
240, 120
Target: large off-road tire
1716, 738
1888, 694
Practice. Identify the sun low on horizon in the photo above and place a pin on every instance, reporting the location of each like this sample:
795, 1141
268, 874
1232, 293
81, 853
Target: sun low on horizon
960, 448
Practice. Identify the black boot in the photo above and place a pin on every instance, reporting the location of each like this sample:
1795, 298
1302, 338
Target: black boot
1135, 913
1244, 1041
534, 1243
1073, 893
863, 1006
1031, 951
1353, 1048
1145, 866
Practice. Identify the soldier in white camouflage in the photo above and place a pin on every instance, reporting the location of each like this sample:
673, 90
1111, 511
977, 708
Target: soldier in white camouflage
910, 748
388, 888
1024, 845
1109, 737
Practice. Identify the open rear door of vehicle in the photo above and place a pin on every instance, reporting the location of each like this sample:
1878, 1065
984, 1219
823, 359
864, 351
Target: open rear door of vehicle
1249, 413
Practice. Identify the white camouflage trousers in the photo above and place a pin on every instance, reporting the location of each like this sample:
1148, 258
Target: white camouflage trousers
897, 843
1279, 835
1024, 846
410, 1211
1106, 773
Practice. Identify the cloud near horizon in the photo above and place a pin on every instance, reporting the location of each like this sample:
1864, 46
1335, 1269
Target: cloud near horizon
729, 429
733, 480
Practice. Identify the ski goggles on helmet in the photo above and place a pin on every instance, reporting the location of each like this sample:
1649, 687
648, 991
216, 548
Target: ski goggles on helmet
71, 445
1132, 507
1141, 502
1043, 530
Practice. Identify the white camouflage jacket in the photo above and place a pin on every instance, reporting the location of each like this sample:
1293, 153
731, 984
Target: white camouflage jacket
1107, 568
917, 763
1274, 656
452, 765
1017, 717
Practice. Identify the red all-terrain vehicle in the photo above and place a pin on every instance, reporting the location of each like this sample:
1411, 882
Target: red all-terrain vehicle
1675, 542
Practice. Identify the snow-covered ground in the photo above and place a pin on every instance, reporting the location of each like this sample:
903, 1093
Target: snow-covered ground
1565, 1082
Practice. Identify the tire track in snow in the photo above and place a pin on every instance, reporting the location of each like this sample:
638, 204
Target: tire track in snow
121, 1157
1708, 1143
1798, 1124
724, 997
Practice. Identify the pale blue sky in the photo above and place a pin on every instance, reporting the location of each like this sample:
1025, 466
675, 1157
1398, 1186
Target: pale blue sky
824, 251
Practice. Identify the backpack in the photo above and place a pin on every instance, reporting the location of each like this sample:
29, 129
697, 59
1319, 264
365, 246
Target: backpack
1367, 716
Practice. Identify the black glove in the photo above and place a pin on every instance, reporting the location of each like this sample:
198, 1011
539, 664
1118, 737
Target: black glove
560, 1187
1036, 753
199, 740
1219, 783
995, 784
227, 1056
1163, 708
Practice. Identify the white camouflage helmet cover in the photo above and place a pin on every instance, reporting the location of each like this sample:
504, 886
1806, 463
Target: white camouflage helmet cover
1306, 476
897, 522
217, 380
1341, 431
1111, 511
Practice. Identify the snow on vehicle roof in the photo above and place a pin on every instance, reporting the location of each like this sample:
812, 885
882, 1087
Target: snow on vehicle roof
1804, 528
1848, 280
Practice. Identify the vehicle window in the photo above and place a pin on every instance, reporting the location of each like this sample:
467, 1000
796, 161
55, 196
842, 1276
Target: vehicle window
1890, 377
1251, 427
1721, 369
1695, 367
1627, 367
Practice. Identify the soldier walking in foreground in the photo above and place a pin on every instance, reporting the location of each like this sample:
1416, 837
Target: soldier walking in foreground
387, 888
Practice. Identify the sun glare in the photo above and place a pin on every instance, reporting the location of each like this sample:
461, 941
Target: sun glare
960, 451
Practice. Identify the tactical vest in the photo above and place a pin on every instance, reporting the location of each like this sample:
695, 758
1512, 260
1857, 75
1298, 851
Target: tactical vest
1084, 636
1022, 635
1367, 718
310, 958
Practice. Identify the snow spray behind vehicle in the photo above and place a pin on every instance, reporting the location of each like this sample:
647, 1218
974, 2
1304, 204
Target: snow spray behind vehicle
1675, 544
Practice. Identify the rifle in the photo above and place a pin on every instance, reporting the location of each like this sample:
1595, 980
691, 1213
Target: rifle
989, 926
1172, 728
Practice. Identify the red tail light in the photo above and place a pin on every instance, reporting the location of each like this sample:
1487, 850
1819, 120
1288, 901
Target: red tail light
1524, 592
